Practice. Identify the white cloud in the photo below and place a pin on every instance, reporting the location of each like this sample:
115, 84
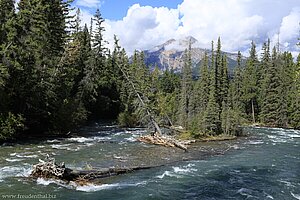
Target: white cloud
89, 3
206, 20
237, 22
288, 31
143, 27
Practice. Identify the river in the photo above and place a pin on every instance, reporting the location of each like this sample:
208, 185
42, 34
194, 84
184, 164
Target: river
263, 165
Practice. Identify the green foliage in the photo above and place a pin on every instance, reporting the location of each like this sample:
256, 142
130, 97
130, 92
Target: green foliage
201, 88
9, 125
250, 84
294, 108
185, 111
126, 119
55, 74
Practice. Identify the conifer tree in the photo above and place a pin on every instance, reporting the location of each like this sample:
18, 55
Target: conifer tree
250, 84
286, 77
224, 79
271, 103
186, 89
96, 62
212, 114
263, 71
218, 74
201, 90
294, 109
237, 86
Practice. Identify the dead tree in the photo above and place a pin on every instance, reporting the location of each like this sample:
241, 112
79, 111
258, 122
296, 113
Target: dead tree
49, 169
148, 112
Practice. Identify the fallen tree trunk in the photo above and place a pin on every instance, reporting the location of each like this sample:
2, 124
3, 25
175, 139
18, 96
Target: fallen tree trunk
49, 169
165, 141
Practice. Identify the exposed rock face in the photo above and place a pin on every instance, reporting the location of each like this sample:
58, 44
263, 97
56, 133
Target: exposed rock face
170, 55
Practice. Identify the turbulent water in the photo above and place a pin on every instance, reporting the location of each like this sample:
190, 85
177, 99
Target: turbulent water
264, 165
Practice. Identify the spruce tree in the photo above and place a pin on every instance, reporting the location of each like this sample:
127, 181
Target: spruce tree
294, 109
271, 103
186, 89
250, 84
218, 70
224, 79
262, 73
237, 86
212, 121
201, 90
286, 76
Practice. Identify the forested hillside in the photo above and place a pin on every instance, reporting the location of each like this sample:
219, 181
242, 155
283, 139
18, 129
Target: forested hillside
55, 74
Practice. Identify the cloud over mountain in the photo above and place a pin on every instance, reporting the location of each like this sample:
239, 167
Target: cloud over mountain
237, 22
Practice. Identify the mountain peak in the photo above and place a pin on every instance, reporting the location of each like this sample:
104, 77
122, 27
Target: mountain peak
175, 45
190, 39
170, 54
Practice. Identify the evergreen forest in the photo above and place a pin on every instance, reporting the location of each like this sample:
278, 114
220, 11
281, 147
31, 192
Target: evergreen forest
55, 75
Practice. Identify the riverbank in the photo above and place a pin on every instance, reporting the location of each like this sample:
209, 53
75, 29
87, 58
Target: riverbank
263, 164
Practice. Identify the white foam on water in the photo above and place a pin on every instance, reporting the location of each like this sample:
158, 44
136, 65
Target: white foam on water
53, 141
41, 146
46, 182
94, 188
13, 160
60, 146
268, 196
296, 196
26, 156
100, 139
168, 173
256, 142
15, 171
184, 170
80, 139
65, 147
294, 136
246, 192
41, 181
287, 183
131, 139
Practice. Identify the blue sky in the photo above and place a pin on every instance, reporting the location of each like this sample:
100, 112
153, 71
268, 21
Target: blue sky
143, 24
117, 9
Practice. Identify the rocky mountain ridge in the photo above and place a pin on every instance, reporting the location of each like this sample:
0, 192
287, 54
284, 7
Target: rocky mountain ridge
170, 55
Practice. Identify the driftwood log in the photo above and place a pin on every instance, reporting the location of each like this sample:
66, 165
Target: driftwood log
165, 141
49, 169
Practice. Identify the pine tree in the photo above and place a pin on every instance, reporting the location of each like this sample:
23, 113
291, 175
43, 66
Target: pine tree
262, 72
212, 121
224, 79
294, 109
271, 103
250, 83
201, 90
96, 62
237, 86
218, 74
286, 76
77, 22
186, 89
7, 11
7, 20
